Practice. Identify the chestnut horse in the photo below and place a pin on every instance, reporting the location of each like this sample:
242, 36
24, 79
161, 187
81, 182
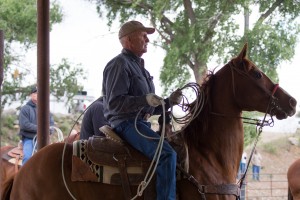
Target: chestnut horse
293, 176
9, 169
214, 138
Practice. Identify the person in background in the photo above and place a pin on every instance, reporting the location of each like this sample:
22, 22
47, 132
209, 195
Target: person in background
129, 92
243, 164
28, 124
256, 165
92, 120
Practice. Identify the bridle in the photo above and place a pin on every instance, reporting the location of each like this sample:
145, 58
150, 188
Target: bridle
273, 106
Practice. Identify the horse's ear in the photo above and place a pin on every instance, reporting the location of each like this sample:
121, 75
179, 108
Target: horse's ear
243, 53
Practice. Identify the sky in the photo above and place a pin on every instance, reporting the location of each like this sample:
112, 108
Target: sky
84, 38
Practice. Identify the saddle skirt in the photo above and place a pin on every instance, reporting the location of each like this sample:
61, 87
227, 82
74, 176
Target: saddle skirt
101, 159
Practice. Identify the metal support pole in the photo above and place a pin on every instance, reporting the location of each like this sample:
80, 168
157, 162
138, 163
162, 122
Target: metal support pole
1, 80
43, 73
1, 57
1, 76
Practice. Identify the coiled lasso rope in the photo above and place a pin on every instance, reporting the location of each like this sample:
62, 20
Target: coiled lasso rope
193, 113
195, 110
151, 170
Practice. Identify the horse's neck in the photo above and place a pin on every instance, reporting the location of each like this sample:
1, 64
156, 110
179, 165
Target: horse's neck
219, 160
226, 120
224, 143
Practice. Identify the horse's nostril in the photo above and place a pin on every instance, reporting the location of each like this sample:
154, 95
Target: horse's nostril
293, 102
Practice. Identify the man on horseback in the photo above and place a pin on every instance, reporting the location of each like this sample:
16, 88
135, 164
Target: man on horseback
28, 124
93, 120
129, 92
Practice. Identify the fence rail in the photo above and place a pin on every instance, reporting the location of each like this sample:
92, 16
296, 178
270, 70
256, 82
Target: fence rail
269, 187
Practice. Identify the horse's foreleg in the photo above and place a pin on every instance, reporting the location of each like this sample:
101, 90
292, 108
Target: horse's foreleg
6, 188
290, 196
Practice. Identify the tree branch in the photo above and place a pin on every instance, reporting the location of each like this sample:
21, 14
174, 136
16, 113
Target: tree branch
189, 10
212, 23
271, 9
166, 25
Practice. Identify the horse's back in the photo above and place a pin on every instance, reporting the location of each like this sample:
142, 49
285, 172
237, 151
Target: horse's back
7, 169
41, 178
293, 176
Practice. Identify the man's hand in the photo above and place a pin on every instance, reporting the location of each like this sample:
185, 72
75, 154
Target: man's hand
176, 97
153, 99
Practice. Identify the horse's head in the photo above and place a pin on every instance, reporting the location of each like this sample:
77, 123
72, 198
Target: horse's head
254, 91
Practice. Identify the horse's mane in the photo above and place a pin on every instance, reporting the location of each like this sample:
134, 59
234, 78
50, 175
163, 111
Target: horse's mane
198, 126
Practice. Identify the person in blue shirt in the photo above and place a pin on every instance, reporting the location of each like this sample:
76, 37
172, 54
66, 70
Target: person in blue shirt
129, 92
28, 124
93, 119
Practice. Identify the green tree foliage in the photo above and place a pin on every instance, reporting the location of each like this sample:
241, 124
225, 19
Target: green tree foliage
58, 86
250, 129
194, 32
18, 20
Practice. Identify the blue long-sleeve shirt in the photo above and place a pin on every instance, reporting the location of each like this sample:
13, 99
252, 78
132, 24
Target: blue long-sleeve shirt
28, 120
126, 83
93, 119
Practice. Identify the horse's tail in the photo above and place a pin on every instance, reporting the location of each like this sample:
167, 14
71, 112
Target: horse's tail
290, 196
7, 187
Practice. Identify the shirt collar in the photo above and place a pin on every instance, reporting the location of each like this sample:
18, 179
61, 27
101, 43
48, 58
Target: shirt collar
132, 55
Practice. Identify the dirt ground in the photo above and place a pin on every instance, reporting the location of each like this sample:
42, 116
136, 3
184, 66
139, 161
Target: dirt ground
277, 152
277, 155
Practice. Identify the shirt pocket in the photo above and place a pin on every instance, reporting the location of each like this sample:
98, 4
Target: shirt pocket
139, 86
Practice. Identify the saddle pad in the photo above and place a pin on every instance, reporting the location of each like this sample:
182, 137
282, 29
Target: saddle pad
83, 169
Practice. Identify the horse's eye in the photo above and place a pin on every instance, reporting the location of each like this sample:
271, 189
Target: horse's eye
257, 75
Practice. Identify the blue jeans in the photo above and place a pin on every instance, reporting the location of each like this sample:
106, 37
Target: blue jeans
255, 172
27, 149
242, 169
166, 168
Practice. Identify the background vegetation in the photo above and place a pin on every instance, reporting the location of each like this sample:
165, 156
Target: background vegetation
193, 33
10, 128
18, 20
